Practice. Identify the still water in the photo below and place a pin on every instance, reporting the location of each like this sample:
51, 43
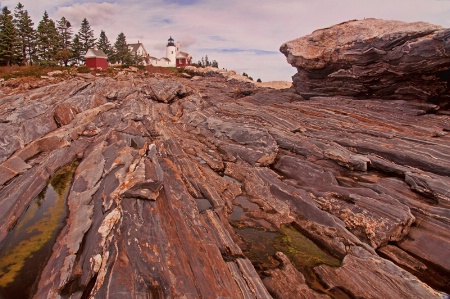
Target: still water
26, 249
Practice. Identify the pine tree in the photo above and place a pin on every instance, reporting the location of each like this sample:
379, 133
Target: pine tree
205, 62
86, 36
77, 49
48, 41
9, 46
104, 45
122, 54
26, 33
65, 40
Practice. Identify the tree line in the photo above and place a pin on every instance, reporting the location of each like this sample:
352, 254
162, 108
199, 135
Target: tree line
54, 43
205, 62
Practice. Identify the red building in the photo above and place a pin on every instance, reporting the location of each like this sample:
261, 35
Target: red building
96, 59
183, 59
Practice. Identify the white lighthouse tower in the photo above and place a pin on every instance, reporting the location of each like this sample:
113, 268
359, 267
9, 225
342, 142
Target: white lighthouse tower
171, 52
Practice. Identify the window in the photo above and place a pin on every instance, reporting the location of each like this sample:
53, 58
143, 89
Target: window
172, 52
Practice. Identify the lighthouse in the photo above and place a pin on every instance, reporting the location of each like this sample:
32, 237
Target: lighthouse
174, 56
171, 52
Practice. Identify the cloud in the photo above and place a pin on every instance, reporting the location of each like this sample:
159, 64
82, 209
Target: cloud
237, 50
217, 38
187, 41
160, 21
98, 14
183, 2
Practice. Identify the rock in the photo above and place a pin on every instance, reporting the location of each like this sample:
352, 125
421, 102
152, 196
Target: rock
144, 181
275, 84
374, 218
56, 73
347, 159
172, 170
388, 281
373, 58
433, 187
132, 69
85, 75
288, 282
403, 258
164, 90
216, 72
64, 114
12, 167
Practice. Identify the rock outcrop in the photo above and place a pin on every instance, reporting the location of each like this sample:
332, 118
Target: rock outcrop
231, 76
373, 58
184, 189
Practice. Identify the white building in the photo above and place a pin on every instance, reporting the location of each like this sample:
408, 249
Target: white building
174, 56
139, 50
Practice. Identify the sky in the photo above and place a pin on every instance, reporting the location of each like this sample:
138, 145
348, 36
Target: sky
241, 35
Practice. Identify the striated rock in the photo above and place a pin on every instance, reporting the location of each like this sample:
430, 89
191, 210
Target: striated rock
288, 282
164, 90
64, 114
275, 84
175, 175
373, 58
387, 281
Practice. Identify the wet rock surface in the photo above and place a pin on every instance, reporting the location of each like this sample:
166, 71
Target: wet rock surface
374, 58
171, 170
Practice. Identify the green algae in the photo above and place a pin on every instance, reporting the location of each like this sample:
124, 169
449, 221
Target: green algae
36, 230
261, 246
303, 253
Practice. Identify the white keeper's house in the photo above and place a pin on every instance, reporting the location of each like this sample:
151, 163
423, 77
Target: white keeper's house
139, 50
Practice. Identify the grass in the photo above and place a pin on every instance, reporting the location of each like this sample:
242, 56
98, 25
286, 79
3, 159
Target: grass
9, 72
36, 71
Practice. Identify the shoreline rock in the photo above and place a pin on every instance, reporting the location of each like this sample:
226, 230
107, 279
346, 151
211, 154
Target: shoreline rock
373, 58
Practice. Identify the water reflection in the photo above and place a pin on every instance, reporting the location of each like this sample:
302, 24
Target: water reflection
27, 247
303, 253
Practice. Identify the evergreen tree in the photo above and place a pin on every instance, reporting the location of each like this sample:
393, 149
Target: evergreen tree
9, 47
122, 54
48, 41
104, 45
86, 36
137, 59
205, 62
77, 49
65, 40
26, 33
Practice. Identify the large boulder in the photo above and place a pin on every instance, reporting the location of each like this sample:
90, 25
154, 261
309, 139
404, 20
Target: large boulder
373, 58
